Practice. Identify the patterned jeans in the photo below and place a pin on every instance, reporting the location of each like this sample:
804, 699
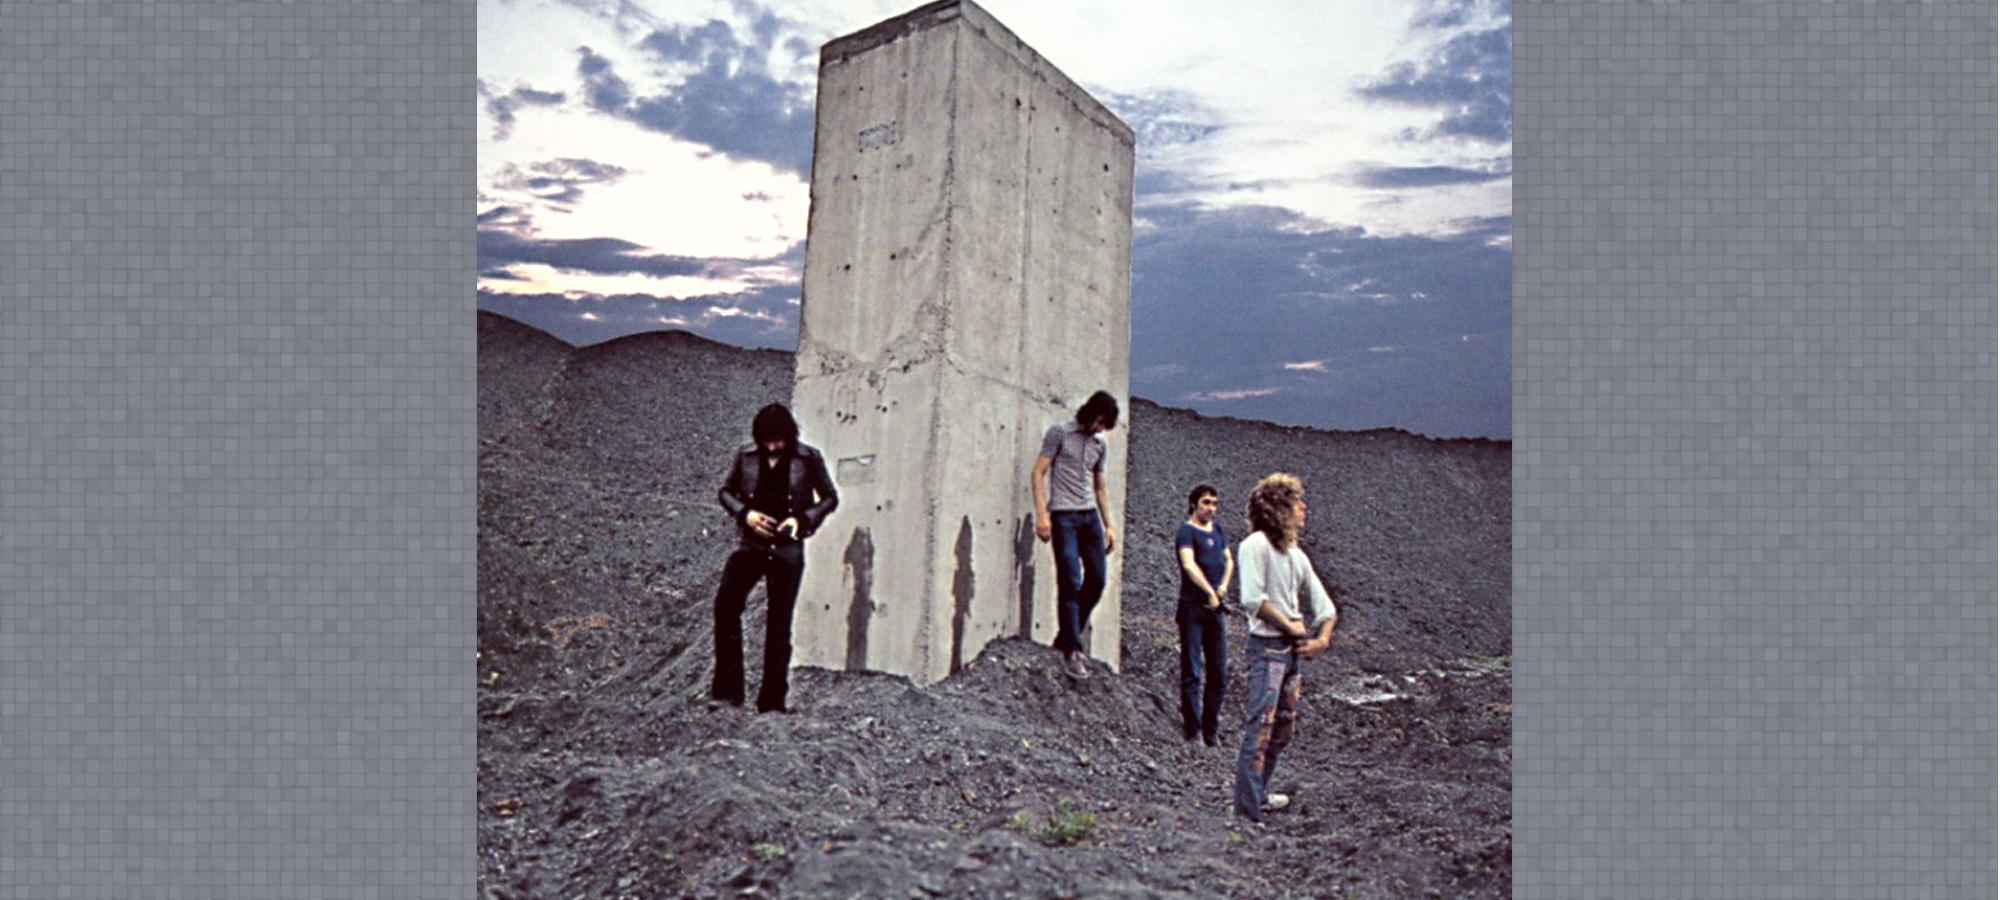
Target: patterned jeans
1271, 710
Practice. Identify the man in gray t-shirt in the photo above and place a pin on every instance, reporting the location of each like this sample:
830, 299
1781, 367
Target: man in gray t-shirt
1072, 514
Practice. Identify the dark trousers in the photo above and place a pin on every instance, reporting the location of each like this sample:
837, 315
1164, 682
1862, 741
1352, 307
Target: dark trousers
781, 569
1203, 668
1077, 536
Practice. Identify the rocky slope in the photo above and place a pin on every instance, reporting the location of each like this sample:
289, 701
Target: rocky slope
603, 773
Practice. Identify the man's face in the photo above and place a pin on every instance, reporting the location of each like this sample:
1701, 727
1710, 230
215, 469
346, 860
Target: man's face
772, 448
1204, 509
1299, 508
1098, 426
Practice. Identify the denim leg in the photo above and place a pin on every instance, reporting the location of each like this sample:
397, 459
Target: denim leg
783, 572
738, 576
1069, 575
1283, 719
1267, 661
1213, 632
1193, 714
1090, 550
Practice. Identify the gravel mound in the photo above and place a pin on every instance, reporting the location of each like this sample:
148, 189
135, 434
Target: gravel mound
604, 773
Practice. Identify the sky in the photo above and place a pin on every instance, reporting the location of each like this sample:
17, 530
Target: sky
1322, 210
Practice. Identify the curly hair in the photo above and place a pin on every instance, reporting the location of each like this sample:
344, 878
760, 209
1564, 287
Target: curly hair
1271, 509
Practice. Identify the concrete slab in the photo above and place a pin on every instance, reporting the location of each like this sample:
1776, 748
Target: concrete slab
967, 285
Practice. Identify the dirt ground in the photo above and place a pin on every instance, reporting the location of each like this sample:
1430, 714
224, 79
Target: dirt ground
604, 773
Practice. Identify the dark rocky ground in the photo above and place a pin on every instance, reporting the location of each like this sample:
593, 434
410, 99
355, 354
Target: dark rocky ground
602, 774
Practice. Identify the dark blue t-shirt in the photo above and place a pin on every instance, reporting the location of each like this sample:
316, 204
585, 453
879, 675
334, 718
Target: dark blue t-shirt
1209, 547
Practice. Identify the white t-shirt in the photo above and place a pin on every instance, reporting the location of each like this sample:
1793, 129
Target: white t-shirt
1267, 576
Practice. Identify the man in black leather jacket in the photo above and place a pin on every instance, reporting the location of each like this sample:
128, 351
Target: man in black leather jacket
778, 491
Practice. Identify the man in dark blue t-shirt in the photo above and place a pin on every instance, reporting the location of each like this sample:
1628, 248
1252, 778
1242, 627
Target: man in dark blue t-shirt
1202, 549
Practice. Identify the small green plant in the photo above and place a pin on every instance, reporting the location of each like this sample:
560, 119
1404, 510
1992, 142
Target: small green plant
1020, 823
1067, 826
1236, 837
766, 852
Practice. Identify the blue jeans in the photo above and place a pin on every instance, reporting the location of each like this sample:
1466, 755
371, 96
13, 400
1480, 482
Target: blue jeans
1271, 711
1077, 536
1204, 665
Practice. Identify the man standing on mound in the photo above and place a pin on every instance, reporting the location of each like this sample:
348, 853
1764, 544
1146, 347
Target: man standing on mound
1291, 619
1202, 548
778, 492
1072, 513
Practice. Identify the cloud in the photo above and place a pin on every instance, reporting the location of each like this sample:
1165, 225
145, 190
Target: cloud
728, 100
1317, 365
1161, 119
559, 182
601, 256
1469, 77
502, 106
1424, 176
1229, 395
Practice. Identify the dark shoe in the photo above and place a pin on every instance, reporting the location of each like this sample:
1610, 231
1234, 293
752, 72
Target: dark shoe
1208, 739
1079, 666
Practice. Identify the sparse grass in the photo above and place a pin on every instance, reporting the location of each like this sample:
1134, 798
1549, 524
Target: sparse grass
1063, 825
766, 852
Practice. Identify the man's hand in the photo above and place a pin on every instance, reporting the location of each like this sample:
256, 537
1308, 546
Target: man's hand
1110, 539
1312, 647
789, 528
1214, 600
1042, 529
1296, 628
762, 524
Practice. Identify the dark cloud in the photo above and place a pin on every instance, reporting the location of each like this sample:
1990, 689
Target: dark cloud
502, 106
510, 218
730, 102
600, 256
1160, 120
1424, 176
1410, 332
558, 181
1471, 76
1446, 15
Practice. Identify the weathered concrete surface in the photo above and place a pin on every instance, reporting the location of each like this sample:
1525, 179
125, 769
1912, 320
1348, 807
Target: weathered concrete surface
967, 285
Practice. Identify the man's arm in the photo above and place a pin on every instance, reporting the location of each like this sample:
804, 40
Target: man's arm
1324, 613
1251, 598
822, 487
737, 504
1294, 628
731, 494
1103, 509
1039, 482
1196, 578
1228, 569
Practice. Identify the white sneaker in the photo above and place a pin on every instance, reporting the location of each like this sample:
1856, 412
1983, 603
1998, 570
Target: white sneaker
1275, 802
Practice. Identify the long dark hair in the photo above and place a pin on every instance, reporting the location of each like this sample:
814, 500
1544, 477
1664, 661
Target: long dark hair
1100, 407
775, 423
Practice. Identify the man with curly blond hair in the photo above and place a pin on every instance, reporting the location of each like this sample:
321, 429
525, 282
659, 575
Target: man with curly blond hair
1291, 618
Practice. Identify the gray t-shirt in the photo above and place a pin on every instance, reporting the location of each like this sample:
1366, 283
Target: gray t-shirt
1075, 456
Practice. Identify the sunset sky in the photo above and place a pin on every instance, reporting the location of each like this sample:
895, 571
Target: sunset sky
1321, 227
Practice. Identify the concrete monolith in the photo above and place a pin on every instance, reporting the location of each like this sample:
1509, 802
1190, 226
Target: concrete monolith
967, 285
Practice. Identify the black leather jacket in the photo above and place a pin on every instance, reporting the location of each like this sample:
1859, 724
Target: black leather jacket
811, 488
